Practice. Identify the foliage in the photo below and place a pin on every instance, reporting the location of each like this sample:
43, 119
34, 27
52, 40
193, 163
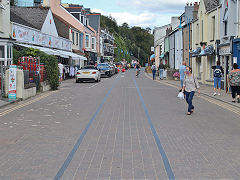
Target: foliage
50, 62
134, 41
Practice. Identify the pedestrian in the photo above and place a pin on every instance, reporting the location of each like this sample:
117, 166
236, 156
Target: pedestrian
161, 69
182, 70
60, 68
190, 85
234, 81
217, 77
153, 70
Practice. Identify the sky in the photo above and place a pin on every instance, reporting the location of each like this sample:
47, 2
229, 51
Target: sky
143, 13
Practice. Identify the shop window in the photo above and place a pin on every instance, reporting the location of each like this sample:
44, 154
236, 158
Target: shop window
2, 54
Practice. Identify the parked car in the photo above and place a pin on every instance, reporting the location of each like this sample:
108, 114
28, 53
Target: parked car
88, 73
105, 69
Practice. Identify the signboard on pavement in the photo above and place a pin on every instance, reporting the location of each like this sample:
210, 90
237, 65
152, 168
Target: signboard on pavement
12, 89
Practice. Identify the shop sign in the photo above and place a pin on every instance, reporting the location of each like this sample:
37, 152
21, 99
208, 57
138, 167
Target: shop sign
12, 89
30, 36
225, 50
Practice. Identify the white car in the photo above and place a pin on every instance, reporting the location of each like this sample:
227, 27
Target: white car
88, 73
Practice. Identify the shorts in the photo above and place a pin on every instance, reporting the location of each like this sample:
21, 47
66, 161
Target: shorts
217, 82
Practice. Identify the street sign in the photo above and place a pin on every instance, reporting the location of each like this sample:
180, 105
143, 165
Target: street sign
12, 89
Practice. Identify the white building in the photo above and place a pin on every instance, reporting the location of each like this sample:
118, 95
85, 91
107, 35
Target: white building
5, 34
159, 36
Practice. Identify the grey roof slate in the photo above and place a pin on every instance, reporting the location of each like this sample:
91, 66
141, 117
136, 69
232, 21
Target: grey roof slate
211, 4
29, 16
94, 21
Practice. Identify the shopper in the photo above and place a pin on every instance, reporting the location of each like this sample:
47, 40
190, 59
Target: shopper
182, 70
234, 81
161, 69
217, 76
154, 70
190, 85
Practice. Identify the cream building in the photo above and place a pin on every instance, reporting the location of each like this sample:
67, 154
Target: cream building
206, 32
5, 32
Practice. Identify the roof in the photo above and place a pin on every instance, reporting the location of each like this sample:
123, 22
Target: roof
94, 21
211, 4
29, 16
63, 21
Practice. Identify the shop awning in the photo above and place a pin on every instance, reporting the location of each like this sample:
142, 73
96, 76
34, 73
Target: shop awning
152, 57
196, 52
61, 53
208, 51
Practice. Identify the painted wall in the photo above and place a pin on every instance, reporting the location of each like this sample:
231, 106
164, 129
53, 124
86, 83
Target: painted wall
178, 49
203, 32
172, 51
49, 26
5, 27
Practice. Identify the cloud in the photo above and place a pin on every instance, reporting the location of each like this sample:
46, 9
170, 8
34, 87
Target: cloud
144, 19
147, 13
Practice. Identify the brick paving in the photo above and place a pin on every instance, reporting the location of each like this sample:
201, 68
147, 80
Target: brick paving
36, 139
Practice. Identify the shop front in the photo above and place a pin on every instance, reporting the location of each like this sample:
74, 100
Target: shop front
6, 52
225, 54
236, 51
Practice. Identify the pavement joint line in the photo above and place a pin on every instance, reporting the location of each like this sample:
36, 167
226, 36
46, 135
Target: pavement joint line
166, 162
218, 102
26, 103
80, 139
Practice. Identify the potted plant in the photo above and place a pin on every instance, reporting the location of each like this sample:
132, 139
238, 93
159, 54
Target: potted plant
176, 76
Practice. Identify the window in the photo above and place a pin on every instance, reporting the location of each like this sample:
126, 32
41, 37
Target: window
2, 54
86, 22
214, 26
87, 44
82, 19
77, 39
81, 41
73, 38
225, 28
8, 51
94, 43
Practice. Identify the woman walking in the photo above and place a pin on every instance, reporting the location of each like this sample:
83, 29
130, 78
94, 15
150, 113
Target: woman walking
190, 85
234, 81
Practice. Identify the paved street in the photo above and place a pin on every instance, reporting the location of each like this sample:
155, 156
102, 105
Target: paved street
120, 128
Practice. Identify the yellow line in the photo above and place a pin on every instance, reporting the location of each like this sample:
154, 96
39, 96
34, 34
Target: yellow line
213, 101
26, 103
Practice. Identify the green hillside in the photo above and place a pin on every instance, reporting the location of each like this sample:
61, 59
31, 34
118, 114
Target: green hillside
134, 41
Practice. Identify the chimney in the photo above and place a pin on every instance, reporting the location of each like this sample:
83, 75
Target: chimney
196, 6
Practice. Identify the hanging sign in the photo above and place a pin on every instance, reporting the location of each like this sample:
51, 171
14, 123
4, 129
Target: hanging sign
12, 89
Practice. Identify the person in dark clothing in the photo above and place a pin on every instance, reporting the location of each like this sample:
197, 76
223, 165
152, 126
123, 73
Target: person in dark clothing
217, 76
161, 69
